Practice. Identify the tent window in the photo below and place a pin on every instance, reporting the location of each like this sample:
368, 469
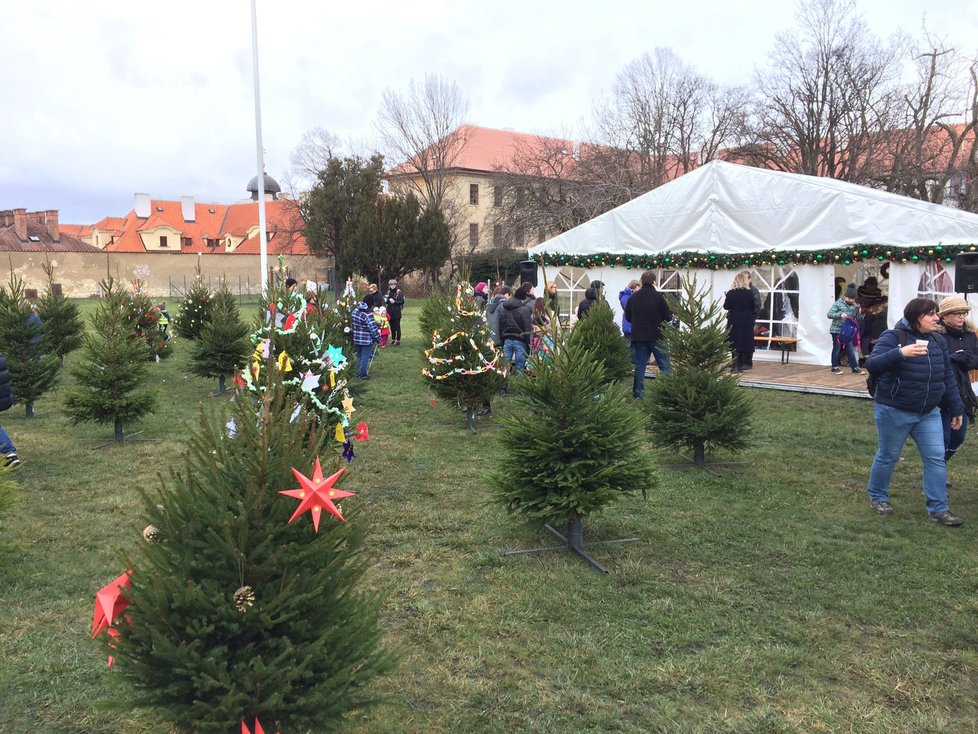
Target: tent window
571, 284
935, 283
779, 289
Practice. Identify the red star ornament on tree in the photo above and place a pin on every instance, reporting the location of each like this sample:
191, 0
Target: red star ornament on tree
109, 603
317, 494
258, 729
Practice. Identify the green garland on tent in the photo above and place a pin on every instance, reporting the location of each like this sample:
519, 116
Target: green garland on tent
839, 255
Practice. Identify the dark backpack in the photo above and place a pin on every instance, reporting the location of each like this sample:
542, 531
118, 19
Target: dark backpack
849, 333
872, 380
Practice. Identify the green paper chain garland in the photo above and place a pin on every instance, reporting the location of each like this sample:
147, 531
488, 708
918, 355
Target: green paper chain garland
839, 255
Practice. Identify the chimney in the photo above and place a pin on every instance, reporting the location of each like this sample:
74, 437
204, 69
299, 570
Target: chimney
187, 209
20, 224
51, 222
143, 206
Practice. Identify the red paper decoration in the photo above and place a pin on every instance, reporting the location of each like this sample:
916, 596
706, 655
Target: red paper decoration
317, 494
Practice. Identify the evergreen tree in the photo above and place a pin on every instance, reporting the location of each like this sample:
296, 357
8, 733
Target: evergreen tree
307, 347
464, 365
61, 319
144, 320
572, 442
235, 611
195, 309
700, 405
437, 311
33, 370
223, 346
110, 382
345, 305
599, 333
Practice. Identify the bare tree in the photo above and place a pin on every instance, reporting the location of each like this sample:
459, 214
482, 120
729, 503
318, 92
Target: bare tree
311, 156
828, 95
933, 150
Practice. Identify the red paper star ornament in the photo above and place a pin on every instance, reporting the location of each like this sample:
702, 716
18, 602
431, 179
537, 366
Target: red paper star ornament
246, 730
109, 603
317, 494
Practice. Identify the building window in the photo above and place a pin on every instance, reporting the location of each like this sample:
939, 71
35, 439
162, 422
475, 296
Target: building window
473, 236
186, 242
541, 235
497, 196
497, 235
163, 240
519, 237
473, 193
520, 196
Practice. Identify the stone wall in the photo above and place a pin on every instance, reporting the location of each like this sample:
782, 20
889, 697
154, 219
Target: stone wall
163, 274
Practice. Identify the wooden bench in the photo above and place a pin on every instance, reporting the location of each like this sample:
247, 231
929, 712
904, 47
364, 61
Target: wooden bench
787, 344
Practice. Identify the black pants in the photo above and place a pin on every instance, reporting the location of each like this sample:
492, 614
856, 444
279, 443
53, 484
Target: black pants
395, 328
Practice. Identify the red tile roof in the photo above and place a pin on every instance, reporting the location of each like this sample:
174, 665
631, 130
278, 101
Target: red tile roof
212, 222
38, 228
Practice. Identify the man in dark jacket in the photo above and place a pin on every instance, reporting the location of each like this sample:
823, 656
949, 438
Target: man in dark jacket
647, 310
6, 401
515, 328
394, 303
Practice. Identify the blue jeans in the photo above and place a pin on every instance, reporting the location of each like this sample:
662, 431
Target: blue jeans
515, 353
953, 439
893, 426
641, 351
364, 353
6, 445
837, 353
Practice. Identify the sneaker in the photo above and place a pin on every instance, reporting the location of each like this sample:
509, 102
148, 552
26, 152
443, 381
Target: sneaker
946, 518
883, 508
12, 462
484, 411
837, 370
856, 371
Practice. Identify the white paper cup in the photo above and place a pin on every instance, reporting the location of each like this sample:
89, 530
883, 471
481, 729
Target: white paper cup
925, 342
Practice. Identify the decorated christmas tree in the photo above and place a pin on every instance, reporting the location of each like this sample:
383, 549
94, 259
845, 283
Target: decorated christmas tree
61, 317
701, 404
223, 346
307, 347
599, 333
244, 603
110, 382
345, 305
33, 368
195, 309
572, 443
144, 319
463, 364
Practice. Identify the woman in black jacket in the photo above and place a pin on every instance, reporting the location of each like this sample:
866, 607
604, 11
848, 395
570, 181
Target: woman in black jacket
741, 315
962, 347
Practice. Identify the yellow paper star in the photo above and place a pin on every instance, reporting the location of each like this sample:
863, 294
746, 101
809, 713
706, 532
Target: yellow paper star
348, 406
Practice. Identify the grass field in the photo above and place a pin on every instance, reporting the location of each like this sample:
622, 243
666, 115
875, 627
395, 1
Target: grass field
761, 597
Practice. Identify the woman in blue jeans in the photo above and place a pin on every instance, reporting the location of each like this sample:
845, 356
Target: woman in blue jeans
914, 381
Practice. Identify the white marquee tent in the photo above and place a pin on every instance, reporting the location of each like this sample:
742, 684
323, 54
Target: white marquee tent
730, 210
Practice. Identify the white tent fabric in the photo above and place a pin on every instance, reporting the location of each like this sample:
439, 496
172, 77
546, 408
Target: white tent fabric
724, 208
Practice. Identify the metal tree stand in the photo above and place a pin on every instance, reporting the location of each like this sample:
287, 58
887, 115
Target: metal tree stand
573, 541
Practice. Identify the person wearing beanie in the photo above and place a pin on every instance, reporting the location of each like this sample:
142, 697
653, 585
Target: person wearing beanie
394, 303
291, 284
869, 292
962, 347
516, 328
844, 308
480, 296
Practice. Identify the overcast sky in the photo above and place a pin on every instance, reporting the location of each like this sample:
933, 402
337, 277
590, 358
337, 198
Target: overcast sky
105, 98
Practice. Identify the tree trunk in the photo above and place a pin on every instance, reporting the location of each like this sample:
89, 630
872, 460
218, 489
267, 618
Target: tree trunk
29, 409
470, 418
120, 434
575, 532
699, 454
220, 385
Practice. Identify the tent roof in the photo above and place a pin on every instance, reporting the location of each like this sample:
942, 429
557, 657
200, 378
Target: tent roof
726, 208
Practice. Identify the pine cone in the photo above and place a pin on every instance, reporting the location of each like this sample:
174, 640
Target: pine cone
244, 599
152, 534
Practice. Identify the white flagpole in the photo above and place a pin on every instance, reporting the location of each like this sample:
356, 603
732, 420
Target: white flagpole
262, 233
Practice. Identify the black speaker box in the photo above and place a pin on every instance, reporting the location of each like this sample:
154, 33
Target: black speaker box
528, 272
966, 272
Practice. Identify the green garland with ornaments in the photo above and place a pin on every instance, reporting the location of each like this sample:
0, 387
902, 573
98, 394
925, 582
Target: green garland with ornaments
838, 255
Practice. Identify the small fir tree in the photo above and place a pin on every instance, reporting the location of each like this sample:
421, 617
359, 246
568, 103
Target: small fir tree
464, 365
223, 346
110, 382
195, 309
345, 305
33, 369
236, 611
307, 346
61, 318
700, 405
437, 311
572, 443
144, 320
599, 333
